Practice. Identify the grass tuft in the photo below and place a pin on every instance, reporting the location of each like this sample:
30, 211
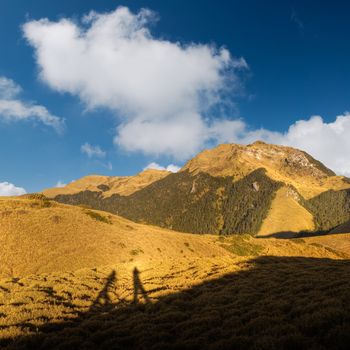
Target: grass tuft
98, 217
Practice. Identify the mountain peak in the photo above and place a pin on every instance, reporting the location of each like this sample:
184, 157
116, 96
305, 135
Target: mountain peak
258, 143
282, 163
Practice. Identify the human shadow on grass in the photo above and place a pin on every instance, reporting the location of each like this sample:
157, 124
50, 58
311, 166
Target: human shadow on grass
103, 300
138, 287
269, 303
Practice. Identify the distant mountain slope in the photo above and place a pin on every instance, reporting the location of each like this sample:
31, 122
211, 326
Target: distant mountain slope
108, 185
233, 189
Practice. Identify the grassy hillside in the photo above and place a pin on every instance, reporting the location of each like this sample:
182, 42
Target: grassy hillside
38, 235
76, 278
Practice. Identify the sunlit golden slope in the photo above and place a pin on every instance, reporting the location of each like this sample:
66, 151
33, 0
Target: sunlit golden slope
285, 164
40, 236
336, 242
286, 215
338, 239
123, 185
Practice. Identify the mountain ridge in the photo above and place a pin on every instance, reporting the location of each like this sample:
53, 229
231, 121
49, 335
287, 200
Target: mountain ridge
231, 189
123, 185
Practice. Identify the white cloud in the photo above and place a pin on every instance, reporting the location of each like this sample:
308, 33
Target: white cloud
171, 167
160, 89
108, 165
60, 184
92, 151
9, 189
14, 109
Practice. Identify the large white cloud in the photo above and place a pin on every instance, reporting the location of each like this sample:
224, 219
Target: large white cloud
160, 89
12, 108
163, 90
9, 189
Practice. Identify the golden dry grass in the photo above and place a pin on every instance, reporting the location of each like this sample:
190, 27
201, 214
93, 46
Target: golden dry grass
336, 242
43, 236
261, 303
286, 215
59, 290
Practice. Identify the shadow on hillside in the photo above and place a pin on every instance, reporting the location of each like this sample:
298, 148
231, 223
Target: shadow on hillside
282, 235
270, 303
301, 234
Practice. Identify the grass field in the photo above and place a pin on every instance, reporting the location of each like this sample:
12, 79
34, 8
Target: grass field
260, 303
75, 278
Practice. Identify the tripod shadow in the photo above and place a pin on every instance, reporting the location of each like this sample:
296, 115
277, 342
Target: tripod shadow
138, 287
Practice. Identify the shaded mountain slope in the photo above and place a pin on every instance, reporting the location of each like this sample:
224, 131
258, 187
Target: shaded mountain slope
330, 208
343, 228
192, 203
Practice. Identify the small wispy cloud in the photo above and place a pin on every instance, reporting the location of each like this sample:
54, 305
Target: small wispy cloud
92, 151
171, 167
294, 18
108, 165
12, 108
60, 184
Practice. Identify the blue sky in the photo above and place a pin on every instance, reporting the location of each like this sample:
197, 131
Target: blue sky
169, 83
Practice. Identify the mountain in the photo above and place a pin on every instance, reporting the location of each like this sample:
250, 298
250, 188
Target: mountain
259, 189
